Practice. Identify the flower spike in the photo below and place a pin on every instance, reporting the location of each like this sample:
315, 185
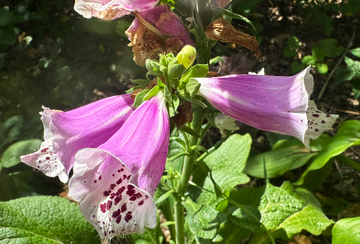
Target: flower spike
272, 103
67, 132
114, 183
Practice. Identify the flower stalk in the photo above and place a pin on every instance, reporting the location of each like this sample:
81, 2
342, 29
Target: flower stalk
185, 177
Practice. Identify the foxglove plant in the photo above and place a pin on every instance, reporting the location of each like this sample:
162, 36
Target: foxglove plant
117, 153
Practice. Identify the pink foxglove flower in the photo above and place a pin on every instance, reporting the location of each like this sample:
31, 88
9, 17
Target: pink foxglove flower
111, 9
272, 103
115, 182
67, 132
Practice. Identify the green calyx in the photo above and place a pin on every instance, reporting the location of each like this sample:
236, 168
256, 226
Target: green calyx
175, 79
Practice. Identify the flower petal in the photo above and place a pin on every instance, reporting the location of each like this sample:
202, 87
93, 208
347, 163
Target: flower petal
167, 34
111, 9
271, 103
107, 199
114, 183
317, 122
67, 132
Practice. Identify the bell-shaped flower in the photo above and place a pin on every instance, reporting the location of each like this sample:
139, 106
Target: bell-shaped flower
67, 132
111, 9
115, 182
272, 103
156, 31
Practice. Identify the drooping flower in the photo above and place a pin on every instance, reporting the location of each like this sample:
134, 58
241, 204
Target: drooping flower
114, 182
67, 132
157, 31
272, 103
111, 9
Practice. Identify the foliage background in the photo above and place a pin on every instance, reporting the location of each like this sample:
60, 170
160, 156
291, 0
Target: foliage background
51, 56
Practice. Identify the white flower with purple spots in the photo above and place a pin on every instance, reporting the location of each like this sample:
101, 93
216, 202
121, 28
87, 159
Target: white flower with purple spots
272, 103
65, 133
115, 182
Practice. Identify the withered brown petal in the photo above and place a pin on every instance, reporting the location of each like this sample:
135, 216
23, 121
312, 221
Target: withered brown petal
145, 44
222, 30
184, 114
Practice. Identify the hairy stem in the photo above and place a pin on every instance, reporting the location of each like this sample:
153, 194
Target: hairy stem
185, 176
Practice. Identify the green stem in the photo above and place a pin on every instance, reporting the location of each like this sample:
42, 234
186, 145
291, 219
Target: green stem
179, 222
169, 216
185, 176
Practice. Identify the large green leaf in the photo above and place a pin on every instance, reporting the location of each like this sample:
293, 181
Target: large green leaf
44, 219
310, 218
203, 221
346, 231
226, 165
278, 161
348, 135
228, 161
276, 205
11, 156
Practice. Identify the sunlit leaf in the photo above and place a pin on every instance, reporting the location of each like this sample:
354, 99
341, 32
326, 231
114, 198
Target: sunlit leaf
26, 220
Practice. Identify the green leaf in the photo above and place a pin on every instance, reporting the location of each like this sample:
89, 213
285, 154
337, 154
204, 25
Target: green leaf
355, 52
203, 221
310, 218
215, 60
139, 99
288, 52
276, 205
7, 35
196, 71
348, 135
164, 197
190, 131
327, 48
240, 217
10, 130
11, 156
231, 233
176, 70
238, 16
322, 68
346, 231
153, 91
153, 67
343, 75
278, 161
297, 67
190, 89
228, 161
307, 60
44, 219
5, 16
